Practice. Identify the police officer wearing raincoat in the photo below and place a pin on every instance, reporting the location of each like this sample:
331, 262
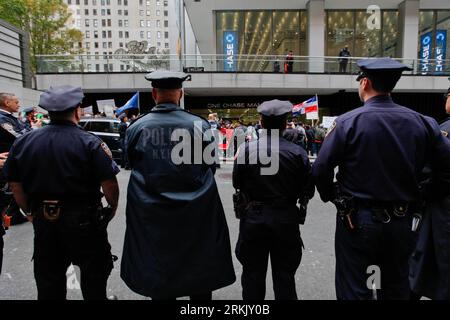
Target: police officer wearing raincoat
176, 241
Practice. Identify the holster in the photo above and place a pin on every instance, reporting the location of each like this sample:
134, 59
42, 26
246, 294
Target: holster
240, 204
51, 210
303, 207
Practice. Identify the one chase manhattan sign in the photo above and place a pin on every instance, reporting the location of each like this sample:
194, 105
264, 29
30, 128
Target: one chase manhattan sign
230, 47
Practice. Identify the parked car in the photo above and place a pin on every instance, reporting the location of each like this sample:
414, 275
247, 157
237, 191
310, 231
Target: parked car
106, 129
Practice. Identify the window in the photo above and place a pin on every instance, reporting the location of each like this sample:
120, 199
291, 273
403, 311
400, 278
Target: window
103, 23
108, 12
99, 126
78, 22
158, 23
158, 44
141, 34
86, 22
86, 12
87, 45
158, 12
148, 2
105, 45
96, 45
110, 45
103, 2
94, 2
103, 12
95, 34
78, 12
166, 23
97, 69
109, 34
166, 35
120, 44
95, 21
142, 23
122, 67
125, 22
127, 35
148, 12
86, 2
89, 67
119, 2
166, 13
109, 22
125, 2
141, 2
158, 3
120, 23
141, 12
149, 23
69, 2
108, 2
120, 34
166, 45
103, 34
125, 12
158, 34
166, 3
149, 35
77, 1
94, 12
119, 12
87, 34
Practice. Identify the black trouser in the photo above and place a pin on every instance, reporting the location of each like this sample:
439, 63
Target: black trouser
386, 246
343, 66
284, 245
56, 246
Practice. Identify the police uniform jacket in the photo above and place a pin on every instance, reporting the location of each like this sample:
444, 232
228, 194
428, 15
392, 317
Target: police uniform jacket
430, 262
176, 240
381, 150
60, 162
275, 196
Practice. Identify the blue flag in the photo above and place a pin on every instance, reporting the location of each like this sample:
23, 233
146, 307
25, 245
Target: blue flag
133, 103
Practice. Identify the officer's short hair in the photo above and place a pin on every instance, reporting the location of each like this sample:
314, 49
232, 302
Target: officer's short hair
384, 83
5, 96
61, 115
274, 122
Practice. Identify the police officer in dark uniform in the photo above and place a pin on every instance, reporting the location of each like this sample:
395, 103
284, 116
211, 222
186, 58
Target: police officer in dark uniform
56, 173
10, 129
270, 222
380, 163
176, 241
122, 129
430, 262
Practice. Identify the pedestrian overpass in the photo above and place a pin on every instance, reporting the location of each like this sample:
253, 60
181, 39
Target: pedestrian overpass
247, 75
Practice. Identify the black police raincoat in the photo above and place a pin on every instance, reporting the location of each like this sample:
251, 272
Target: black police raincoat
176, 241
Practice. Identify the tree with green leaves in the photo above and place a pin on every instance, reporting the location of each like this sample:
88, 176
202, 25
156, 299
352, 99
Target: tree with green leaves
46, 22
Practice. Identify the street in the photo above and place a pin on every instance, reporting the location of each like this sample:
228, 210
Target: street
314, 278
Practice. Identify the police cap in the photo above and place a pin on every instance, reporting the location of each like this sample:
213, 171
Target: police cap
274, 108
62, 98
382, 67
167, 79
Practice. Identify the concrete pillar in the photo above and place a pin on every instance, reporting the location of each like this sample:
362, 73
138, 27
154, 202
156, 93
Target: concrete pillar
408, 14
316, 35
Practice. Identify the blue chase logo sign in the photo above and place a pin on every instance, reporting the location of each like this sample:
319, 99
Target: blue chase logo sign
230, 47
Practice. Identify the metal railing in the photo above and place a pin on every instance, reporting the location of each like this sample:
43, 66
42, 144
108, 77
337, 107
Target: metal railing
119, 63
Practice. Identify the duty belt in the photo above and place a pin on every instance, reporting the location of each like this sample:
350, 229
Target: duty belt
384, 211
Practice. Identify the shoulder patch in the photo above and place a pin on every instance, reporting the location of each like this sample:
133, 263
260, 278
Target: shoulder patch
444, 133
330, 129
9, 127
106, 149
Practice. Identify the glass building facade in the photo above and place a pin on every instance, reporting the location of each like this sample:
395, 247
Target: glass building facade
269, 33
434, 46
353, 28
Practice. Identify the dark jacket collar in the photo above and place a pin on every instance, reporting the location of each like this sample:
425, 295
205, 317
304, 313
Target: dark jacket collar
380, 100
62, 123
166, 107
